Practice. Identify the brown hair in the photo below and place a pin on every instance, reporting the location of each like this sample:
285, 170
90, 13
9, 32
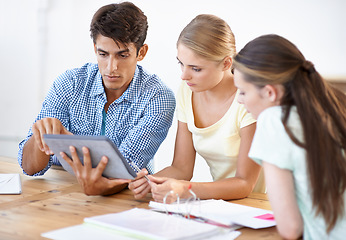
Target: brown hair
124, 23
271, 59
208, 36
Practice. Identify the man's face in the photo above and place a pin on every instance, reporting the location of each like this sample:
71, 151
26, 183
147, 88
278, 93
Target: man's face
117, 64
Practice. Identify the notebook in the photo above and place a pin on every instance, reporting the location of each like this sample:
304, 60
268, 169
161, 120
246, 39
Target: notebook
139, 223
10, 184
222, 212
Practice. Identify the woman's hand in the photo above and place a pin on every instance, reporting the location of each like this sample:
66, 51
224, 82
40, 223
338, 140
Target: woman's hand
170, 188
140, 185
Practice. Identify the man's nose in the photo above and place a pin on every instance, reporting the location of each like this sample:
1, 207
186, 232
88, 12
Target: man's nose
112, 64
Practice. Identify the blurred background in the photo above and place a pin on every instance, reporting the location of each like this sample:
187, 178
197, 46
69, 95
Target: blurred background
39, 39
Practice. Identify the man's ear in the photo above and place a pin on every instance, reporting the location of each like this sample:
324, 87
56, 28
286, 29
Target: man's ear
142, 52
227, 63
95, 48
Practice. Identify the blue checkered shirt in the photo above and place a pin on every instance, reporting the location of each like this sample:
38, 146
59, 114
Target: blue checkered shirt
137, 122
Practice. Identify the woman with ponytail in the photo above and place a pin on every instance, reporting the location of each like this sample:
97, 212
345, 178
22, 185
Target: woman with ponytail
300, 138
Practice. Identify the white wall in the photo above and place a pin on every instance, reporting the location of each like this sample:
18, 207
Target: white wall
42, 38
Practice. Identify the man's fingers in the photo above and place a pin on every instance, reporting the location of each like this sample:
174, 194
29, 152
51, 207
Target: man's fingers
86, 158
37, 137
75, 158
101, 167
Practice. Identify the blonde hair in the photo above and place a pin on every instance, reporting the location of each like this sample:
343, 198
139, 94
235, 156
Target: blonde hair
208, 36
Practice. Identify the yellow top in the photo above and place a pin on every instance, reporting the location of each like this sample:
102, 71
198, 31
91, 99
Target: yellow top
219, 143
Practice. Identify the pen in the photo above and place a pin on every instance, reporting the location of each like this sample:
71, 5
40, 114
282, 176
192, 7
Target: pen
138, 170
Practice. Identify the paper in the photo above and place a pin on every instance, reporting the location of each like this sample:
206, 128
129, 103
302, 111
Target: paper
85, 232
10, 184
220, 211
144, 222
141, 224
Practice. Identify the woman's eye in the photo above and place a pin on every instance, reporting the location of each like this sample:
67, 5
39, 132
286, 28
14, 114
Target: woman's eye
196, 69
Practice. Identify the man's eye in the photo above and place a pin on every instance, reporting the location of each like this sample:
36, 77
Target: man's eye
124, 55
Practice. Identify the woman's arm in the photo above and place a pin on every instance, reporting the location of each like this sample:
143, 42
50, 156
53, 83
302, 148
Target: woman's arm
184, 156
283, 201
236, 187
181, 168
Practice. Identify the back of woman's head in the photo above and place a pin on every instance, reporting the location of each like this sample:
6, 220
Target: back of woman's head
208, 36
271, 59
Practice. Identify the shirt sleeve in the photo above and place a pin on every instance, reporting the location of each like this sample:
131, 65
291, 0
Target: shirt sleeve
183, 95
271, 142
144, 139
55, 105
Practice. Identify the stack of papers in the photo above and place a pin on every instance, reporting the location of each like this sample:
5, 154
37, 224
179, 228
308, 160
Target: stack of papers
10, 184
222, 212
141, 224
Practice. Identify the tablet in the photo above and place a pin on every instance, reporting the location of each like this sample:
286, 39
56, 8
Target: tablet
117, 166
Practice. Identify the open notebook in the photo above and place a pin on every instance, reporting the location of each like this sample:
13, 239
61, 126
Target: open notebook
222, 212
140, 223
10, 183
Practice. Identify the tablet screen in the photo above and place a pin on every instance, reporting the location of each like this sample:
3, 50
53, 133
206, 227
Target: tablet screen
98, 146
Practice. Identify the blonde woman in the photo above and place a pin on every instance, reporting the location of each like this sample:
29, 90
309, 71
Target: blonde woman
210, 121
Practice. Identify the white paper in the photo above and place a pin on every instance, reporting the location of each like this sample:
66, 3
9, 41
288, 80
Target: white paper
220, 211
144, 222
10, 184
141, 224
85, 232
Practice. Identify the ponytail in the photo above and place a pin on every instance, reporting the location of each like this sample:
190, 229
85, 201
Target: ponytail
271, 59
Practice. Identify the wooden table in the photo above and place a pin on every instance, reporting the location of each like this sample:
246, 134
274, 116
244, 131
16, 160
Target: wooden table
55, 200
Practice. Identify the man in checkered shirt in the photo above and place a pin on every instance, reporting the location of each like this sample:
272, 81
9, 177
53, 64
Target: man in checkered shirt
116, 98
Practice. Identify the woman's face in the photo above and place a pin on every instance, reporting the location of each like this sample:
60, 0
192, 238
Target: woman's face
198, 73
256, 99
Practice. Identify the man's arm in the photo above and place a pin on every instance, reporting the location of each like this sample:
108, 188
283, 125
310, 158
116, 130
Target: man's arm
33, 160
36, 153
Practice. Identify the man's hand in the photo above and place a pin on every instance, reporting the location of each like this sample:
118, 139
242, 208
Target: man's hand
47, 126
36, 153
140, 186
91, 179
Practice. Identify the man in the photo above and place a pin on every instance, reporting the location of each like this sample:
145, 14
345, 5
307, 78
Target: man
115, 97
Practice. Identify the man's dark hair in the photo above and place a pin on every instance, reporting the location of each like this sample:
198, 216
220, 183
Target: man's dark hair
123, 22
